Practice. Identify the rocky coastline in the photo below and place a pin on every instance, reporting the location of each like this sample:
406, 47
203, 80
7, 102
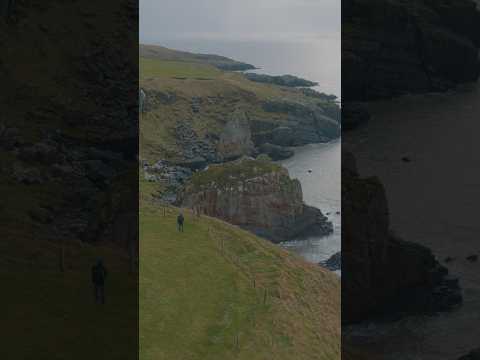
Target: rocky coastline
282, 80
256, 195
385, 277
245, 127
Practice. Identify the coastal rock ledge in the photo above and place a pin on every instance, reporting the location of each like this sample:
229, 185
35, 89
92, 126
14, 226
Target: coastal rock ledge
258, 196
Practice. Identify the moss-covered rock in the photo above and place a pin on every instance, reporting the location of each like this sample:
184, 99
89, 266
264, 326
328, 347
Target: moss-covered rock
258, 196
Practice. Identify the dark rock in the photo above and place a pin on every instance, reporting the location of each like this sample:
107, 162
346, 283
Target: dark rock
318, 95
284, 80
334, 262
276, 152
390, 48
27, 175
449, 259
196, 163
472, 258
306, 124
473, 355
406, 159
288, 107
236, 66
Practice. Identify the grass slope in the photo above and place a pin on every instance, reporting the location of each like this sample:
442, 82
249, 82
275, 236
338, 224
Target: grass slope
51, 315
226, 90
198, 299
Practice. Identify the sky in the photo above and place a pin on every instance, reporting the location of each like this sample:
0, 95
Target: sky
238, 19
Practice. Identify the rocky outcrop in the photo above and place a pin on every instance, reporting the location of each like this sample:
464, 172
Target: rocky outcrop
381, 273
305, 124
334, 262
275, 152
154, 99
283, 80
236, 138
394, 47
259, 196
473, 355
196, 152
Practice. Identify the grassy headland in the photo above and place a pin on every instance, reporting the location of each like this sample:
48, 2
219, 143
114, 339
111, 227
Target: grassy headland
216, 291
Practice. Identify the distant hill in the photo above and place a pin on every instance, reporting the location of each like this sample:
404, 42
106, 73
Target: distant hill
220, 62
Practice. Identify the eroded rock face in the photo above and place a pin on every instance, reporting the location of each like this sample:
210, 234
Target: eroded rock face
283, 80
236, 137
394, 47
305, 124
258, 196
382, 274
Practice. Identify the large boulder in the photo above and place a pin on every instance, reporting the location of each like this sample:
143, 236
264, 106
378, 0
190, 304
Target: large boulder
257, 195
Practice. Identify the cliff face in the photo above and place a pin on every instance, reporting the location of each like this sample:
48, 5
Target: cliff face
236, 138
398, 46
383, 274
258, 196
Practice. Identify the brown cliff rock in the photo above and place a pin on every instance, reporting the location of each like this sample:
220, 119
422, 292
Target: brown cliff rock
259, 196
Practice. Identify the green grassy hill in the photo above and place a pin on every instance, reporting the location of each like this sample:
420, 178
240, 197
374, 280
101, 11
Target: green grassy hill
218, 292
51, 314
221, 93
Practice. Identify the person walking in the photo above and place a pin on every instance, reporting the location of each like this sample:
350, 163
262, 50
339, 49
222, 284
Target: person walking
99, 274
180, 221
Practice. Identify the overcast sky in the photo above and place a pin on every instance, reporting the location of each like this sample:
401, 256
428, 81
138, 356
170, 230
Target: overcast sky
239, 19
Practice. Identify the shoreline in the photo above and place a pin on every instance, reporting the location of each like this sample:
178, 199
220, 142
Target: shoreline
447, 233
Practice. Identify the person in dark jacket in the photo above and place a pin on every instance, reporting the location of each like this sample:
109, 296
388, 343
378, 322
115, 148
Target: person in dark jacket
180, 221
99, 274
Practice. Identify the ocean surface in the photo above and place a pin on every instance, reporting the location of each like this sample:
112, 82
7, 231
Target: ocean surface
322, 189
315, 59
439, 134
